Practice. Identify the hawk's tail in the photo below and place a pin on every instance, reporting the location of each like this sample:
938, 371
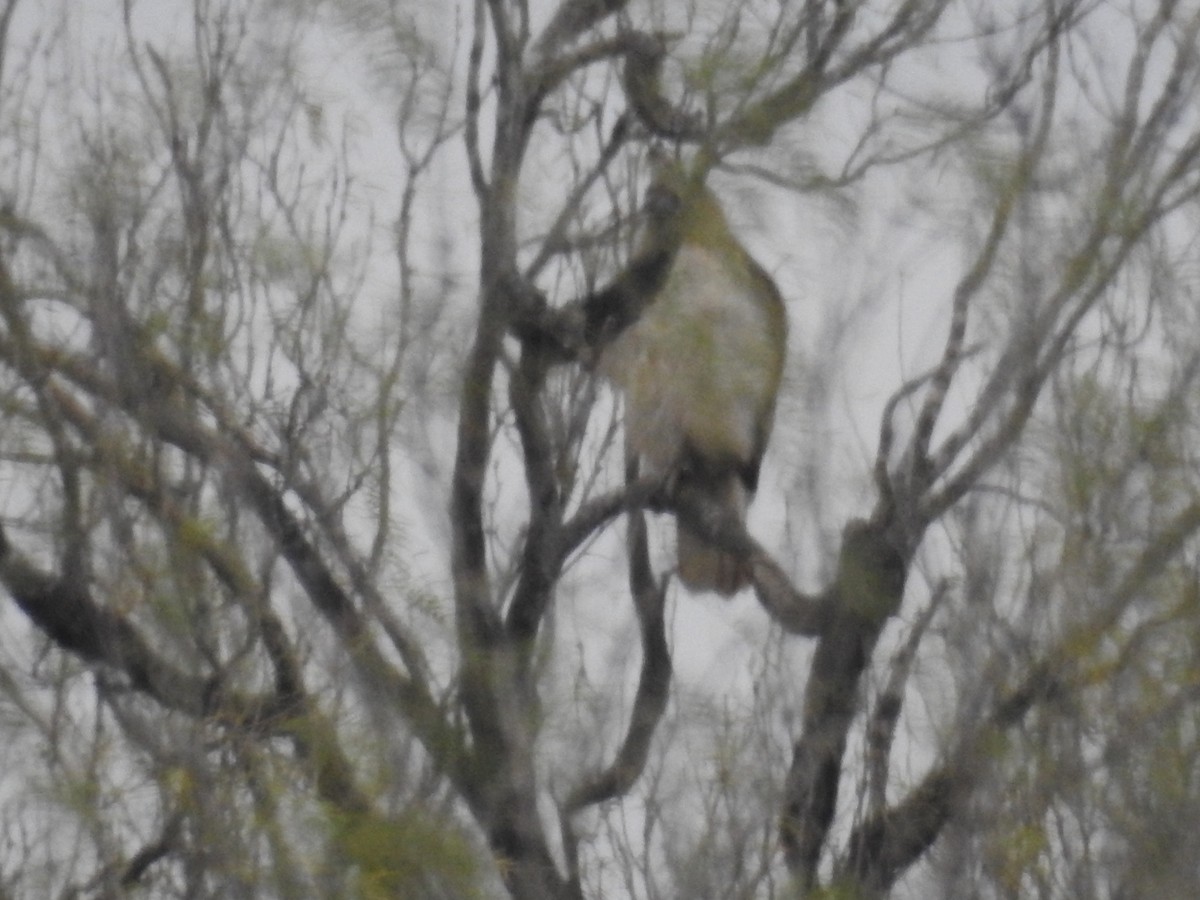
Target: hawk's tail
702, 565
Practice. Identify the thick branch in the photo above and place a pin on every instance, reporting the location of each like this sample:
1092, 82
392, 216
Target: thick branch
869, 587
653, 691
571, 19
541, 561
811, 788
885, 845
654, 684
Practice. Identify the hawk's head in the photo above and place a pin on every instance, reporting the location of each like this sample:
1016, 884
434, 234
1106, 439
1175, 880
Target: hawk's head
679, 209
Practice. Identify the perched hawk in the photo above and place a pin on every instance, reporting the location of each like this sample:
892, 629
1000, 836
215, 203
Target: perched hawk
699, 368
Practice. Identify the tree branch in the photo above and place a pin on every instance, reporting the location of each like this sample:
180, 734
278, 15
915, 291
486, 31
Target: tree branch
646, 492
642, 81
869, 587
571, 19
68, 615
920, 471
881, 727
882, 847
160, 847
175, 426
654, 684
541, 561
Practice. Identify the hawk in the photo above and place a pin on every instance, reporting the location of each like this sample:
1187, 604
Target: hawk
699, 367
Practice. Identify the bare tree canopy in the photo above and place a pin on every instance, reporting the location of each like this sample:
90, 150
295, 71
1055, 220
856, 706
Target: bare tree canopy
327, 569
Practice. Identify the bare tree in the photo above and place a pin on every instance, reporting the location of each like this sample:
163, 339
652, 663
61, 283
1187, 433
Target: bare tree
311, 500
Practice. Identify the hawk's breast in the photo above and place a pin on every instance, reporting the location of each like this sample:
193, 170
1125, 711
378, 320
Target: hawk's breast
699, 366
